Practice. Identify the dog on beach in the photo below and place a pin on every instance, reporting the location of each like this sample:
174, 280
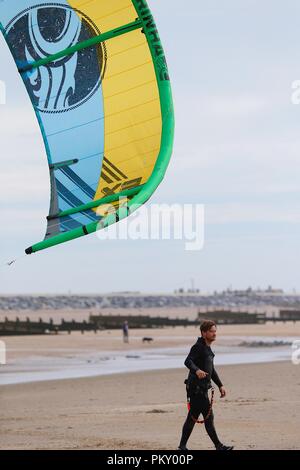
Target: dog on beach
146, 339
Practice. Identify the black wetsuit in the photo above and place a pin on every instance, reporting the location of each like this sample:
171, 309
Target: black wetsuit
200, 357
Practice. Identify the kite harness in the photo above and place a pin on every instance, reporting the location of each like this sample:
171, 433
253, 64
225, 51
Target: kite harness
200, 421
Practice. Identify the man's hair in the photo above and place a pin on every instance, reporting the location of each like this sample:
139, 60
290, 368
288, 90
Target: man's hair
206, 325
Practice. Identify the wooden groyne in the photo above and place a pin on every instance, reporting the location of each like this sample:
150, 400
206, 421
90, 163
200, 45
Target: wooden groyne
18, 327
95, 323
289, 315
115, 322
229, 317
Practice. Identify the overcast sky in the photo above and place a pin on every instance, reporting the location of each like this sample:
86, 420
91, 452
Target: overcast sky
237, 151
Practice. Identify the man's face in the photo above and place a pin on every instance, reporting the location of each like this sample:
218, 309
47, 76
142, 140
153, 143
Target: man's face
211, 334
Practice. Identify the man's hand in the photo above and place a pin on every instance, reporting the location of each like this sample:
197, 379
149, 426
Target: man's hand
222, 391
201, 374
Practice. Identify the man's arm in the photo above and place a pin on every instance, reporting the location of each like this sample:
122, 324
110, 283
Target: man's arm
189, 362
216, 378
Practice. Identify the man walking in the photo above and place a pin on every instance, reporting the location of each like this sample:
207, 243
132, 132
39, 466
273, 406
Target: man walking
200, 362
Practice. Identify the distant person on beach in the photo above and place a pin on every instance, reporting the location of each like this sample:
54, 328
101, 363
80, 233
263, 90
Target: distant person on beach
125, 329
200, 362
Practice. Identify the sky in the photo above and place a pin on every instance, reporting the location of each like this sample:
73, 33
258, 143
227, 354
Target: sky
237, 152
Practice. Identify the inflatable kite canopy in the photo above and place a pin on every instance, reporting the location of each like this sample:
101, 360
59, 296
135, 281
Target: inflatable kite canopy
97, 77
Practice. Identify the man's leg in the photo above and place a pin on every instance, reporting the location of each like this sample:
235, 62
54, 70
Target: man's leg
200, 404
209, 422
210, 427
190, 422
186, 431
211, 430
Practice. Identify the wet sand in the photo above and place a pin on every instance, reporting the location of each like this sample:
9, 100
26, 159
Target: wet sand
62, 344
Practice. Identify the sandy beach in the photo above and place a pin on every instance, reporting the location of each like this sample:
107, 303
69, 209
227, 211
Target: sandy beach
146, 409
58, 345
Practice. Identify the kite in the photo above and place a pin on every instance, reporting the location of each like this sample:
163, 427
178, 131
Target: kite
97, 78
